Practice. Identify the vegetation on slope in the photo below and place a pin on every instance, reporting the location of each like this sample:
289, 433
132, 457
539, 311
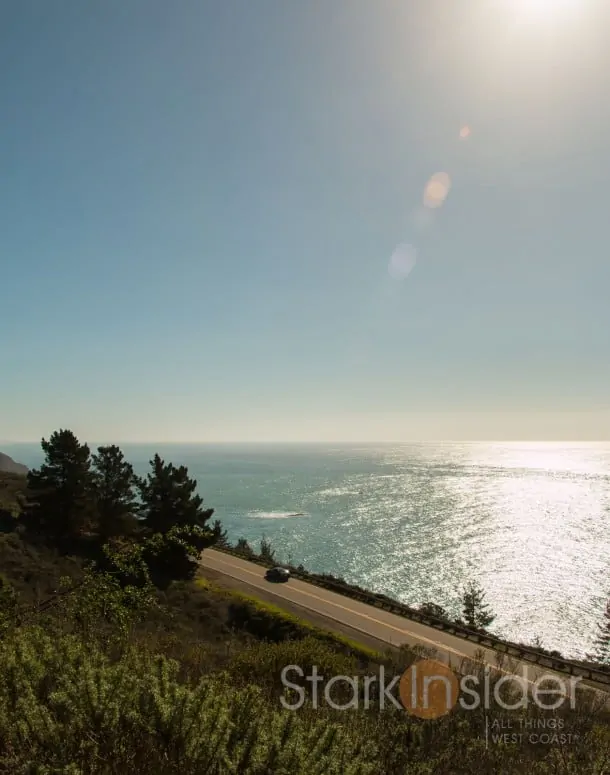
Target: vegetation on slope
12, 494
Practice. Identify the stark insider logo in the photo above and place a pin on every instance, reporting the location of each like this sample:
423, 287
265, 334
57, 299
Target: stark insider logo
429, 689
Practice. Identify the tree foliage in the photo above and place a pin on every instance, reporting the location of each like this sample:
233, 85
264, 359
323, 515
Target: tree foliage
432, 609
243, 547
220, 535
601, 652
169, 498
114, 484
9, 606
475, 610
60, 491
103, 607
175, 555
267, 552
177, 523
157, 522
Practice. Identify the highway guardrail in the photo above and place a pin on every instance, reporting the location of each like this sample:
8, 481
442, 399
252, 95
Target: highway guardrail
485, 639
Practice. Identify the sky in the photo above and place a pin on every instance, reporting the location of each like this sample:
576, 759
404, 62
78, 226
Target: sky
271, 220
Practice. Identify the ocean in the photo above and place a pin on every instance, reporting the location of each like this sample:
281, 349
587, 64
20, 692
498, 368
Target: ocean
529, 521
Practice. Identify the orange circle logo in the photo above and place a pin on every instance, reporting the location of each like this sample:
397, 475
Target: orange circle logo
428, 689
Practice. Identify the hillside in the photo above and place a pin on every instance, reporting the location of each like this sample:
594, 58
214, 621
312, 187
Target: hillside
188, 681
10, 466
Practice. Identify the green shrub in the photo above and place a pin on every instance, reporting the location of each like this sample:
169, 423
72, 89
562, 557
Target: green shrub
262, 663
269, 622
65, 707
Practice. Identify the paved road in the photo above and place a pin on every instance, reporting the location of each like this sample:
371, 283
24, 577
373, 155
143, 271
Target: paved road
368, 620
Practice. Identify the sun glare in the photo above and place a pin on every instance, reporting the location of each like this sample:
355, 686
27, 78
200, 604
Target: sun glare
546, 10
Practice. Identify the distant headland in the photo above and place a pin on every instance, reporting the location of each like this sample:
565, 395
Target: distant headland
10, 466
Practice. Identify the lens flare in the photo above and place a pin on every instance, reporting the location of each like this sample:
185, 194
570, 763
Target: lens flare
437, 190
402, 261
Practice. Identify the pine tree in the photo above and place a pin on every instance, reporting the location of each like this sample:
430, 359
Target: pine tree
243, 547
601, 653
177, 524
220, 535
61, 499
476, 612
267, 552
114, 483
169, 499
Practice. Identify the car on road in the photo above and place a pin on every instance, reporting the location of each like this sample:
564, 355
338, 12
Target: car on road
277, 574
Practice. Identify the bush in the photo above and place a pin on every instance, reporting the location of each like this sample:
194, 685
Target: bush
262, 663
268, 622
65, 707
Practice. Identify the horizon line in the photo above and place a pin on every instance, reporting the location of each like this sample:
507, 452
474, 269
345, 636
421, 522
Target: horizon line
325, 441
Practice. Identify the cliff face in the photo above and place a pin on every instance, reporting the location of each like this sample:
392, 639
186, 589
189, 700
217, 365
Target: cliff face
8, 465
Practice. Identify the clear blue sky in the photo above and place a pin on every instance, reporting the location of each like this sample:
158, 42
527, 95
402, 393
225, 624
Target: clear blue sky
200, 201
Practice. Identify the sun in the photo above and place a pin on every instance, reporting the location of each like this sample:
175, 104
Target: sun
545, 10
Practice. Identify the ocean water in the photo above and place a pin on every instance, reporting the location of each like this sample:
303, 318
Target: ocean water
529, 521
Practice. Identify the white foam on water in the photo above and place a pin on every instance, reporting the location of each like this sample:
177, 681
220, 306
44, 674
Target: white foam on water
276, 514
